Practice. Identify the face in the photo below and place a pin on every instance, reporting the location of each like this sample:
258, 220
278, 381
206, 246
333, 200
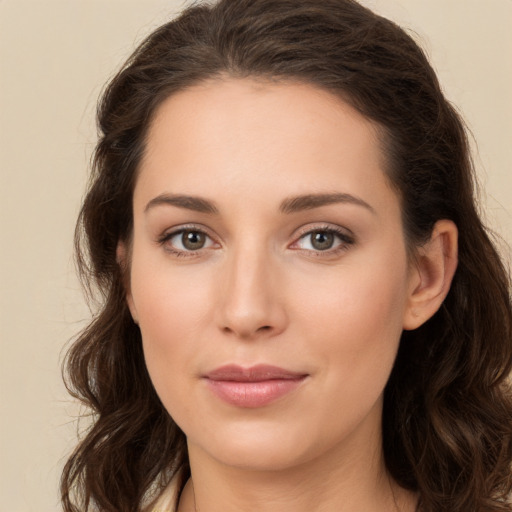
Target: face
269, 274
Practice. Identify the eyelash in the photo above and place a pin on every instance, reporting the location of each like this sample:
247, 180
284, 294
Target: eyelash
165, 237
345, 241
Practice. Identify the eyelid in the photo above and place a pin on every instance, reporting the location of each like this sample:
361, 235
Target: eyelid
334, 228
173, 230
169, 233
345, 236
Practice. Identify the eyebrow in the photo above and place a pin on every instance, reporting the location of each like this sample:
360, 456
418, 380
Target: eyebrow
288, 206
311, 201
197, 204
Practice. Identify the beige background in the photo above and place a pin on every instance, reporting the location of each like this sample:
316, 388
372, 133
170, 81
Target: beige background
54, 58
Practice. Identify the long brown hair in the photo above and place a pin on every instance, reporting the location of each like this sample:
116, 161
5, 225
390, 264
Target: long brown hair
447, 422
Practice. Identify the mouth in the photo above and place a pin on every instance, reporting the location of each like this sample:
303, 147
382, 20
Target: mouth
252, 387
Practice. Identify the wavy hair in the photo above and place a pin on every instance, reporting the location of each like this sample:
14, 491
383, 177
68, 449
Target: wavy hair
447, 420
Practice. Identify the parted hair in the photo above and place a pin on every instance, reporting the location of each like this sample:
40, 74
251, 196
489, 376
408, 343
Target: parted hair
447, 419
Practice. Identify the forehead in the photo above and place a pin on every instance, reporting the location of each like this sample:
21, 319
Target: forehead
255, 107
263, 137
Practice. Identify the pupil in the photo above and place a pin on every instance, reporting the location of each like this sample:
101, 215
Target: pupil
193, 240
322, 240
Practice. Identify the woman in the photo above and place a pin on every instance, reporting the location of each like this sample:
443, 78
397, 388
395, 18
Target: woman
301, 307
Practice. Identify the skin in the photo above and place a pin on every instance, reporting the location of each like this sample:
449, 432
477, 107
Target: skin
260, 291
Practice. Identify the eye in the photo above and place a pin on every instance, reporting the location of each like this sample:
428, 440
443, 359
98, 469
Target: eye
191, 240
321, 240
324, 240
186, 241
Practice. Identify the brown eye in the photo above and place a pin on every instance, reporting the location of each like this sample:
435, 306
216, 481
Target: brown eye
322, 240
186, 241
193, 240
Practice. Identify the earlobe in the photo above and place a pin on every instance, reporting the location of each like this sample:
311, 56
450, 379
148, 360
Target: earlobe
124, 264
432, 275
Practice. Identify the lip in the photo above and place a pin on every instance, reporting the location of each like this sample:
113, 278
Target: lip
252, 387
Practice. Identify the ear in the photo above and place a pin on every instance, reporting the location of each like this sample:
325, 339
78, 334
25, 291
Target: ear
431, 274
123, 260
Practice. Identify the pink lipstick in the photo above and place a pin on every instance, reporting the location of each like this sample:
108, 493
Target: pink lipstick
252, 387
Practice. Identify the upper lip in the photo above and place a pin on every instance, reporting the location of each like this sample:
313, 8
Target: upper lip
258, 373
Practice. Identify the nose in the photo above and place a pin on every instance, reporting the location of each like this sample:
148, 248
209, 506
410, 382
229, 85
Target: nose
252, 302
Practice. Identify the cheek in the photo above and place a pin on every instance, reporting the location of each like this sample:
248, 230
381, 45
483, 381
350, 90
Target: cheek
353, 324
172, 307
364, 297
345, 321
166, 296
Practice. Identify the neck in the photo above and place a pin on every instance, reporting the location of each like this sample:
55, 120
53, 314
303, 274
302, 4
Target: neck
347, 478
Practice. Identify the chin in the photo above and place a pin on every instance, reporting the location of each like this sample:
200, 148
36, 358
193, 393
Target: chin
263, 446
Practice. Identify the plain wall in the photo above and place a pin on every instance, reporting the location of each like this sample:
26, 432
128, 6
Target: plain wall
55, 57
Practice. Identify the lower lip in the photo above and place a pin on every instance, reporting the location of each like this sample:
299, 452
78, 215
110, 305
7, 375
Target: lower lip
253, 394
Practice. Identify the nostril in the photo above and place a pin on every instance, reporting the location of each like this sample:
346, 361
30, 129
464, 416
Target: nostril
262, 329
